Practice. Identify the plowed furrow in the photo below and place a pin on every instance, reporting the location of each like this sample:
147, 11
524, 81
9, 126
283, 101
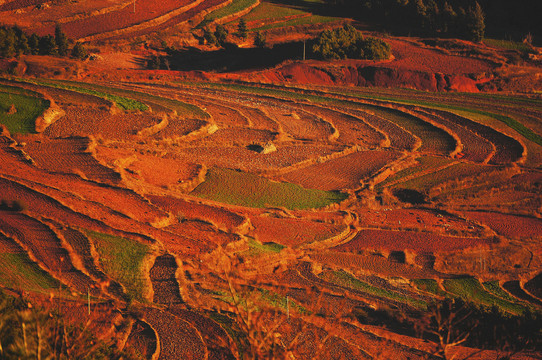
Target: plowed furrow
70, 155
143, 339
178, 338
507, 149
352, 130
164, 282
216, 338
44, 245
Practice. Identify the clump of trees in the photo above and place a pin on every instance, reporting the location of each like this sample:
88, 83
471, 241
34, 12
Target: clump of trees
349, 43
14, 43
442, 18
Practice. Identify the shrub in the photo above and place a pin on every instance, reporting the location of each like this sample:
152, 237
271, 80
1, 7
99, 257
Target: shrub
348, 43
259, 39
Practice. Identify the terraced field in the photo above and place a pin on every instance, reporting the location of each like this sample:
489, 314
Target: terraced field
227, 221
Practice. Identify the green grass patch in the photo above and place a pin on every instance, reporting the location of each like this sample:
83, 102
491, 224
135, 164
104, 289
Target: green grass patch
429, 285
234, 7
306, 20
19, 272
268, 11
29, 106
343, 278
122, 259
256, 248
471, 289
123, 103
494, 288
507, 45
245, 189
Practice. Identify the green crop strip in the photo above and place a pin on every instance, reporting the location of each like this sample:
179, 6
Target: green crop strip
255, 248
122, 259
342, 278
430, 286
233, 8
471, 289
28, 106
123, 103
19, 272
245, 189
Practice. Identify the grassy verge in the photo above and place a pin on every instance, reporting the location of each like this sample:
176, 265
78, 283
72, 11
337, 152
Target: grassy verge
342, 278
507, 45
244, 189
123, 103
307, 20
28, 107
429, 285
122, 260
471, 289
255, 248
19, 272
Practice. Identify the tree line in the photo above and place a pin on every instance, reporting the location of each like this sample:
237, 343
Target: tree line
14, 42
463, 19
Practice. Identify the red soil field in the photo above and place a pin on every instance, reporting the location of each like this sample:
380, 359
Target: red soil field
81, 121
69, 155
513, 226
241, 136
299, 124
251, 161
408, 240
342, 173
178, 127
290, 231
475, 147
160, 171
222, 218
399, 137
143, 339
410, 55
352, 130
417, 219
164, 284
202, 231
44, 245
178, 338
128, 16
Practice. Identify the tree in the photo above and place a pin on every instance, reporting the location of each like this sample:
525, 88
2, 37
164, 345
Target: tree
449, 19
476, 23
221, 34
34, 44
47, 45
8, 42
259, 39
242, 30
61, 41
79, 51
208, 36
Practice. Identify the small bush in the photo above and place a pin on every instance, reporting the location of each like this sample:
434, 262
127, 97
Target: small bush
349, 43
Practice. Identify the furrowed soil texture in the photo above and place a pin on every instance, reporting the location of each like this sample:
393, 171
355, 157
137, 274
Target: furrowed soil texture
228, 221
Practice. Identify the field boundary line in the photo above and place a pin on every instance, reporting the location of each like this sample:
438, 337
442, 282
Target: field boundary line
143, 25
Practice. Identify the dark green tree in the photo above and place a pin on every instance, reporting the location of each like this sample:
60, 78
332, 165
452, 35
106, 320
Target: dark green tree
242, 30
34, 44
449, 19
476, 23
8, 43
221, 35
259, 39
47, 45
61, 41
209, 37
79, 51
